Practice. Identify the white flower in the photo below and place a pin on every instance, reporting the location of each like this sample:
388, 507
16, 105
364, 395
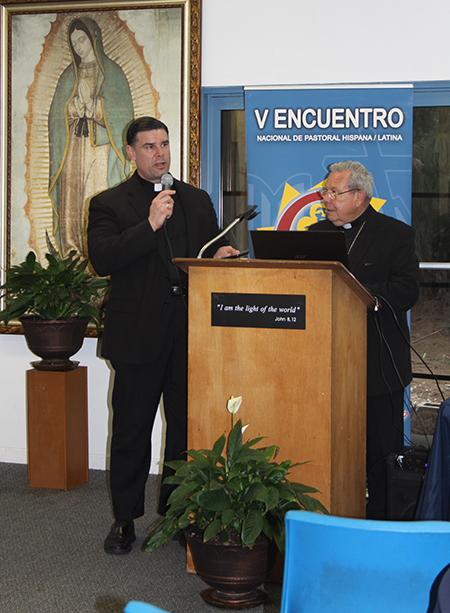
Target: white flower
244, 428
233, 404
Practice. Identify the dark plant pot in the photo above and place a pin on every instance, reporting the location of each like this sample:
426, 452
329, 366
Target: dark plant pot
54, 341
233, 572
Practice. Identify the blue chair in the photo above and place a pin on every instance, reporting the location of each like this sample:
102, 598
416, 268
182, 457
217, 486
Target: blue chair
338, 564
135, 606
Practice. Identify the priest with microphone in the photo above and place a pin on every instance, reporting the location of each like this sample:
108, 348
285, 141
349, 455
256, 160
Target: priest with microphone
135, 229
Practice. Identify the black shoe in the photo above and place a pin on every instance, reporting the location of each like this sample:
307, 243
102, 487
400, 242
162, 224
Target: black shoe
120, 538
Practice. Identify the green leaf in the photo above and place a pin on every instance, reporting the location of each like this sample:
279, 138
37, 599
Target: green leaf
31, 260
219, 445
227, 517
234, 442
252, 455
256, 491
162, 533
280, 537
175, 464
299, 488
173, 480
215, 485
224, 537
312, 504
217, 500
273, 498
276, 473
235, 484
251, 528
182, 493
198, 455
254, 441
156, 541
185, 519
287, 494
212, 530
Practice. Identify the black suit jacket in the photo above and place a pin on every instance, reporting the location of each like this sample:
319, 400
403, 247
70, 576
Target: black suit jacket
123, 245
383, 259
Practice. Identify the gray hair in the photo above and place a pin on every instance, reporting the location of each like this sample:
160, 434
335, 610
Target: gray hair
360, 177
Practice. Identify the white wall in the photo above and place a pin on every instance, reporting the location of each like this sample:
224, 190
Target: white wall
261, 42
257, 42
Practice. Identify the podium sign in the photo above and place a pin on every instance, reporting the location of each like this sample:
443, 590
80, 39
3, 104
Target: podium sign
258, 311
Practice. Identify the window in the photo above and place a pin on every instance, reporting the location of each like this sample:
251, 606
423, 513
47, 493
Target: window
430, 317
234, 175
224, 166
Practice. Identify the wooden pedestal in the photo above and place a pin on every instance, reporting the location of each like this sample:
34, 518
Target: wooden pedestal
57, 428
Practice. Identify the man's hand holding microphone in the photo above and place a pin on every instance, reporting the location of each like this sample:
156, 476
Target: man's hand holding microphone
161, 207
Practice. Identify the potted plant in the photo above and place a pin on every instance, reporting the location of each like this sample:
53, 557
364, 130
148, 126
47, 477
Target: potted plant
54, 305
230, 505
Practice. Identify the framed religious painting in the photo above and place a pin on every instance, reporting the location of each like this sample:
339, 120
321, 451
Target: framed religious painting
73, 76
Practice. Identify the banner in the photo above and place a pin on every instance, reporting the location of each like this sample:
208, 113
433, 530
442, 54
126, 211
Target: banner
293, 135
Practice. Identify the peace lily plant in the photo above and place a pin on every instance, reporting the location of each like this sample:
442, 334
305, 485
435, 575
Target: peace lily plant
61, 290
241, 491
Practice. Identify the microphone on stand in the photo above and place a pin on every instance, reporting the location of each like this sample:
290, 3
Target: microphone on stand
250, 213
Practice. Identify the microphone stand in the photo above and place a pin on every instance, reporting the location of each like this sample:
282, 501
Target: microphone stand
249, 214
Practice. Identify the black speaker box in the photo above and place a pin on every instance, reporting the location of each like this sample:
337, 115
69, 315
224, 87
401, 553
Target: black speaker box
405, 472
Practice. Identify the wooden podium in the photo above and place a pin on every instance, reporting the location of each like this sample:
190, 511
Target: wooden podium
290, 337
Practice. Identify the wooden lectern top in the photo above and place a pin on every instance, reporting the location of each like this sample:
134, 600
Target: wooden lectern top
336, 267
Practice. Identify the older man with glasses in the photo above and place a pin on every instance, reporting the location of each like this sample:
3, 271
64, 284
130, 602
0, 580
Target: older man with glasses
382, 257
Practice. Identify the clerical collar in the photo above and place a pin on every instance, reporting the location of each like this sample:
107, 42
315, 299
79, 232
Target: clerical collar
359, 220
148, 185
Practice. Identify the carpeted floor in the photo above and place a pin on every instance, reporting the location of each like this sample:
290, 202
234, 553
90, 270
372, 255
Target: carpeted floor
52, 558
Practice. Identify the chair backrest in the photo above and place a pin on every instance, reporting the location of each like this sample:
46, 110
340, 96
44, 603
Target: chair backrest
434, 500
135, 606
338, 564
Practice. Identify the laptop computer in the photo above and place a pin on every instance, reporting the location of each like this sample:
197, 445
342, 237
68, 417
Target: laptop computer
299, 245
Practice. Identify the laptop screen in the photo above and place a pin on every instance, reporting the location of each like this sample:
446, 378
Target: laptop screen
299, 245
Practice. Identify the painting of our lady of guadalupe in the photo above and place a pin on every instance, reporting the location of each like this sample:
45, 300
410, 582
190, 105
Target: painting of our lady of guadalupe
92, 79
90, 107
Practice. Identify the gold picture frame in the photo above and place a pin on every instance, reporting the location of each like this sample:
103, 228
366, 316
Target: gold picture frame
152, 50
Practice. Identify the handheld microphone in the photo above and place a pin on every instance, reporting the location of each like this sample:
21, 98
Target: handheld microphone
166, 182
248, 214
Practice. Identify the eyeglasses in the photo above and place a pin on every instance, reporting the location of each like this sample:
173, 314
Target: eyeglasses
333, 195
